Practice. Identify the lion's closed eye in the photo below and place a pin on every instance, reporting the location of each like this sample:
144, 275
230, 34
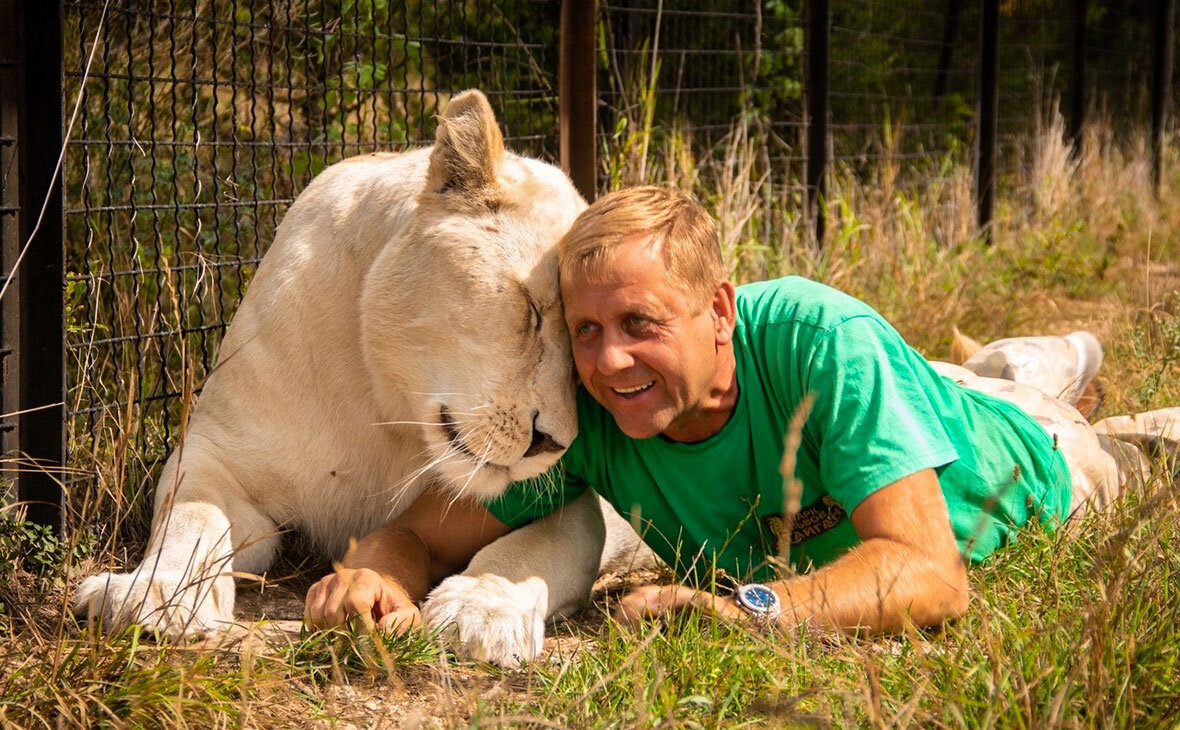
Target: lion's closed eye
534, 315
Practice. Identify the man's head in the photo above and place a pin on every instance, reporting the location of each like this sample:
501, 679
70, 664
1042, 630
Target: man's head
685, 232
650, 313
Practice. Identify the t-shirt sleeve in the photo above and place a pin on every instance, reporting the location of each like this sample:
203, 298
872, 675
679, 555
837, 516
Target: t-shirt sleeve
534, 498
872, 418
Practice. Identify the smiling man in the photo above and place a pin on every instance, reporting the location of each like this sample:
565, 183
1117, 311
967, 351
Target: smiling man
910, 470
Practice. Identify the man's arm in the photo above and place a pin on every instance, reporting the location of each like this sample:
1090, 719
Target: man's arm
391, 569
907, 568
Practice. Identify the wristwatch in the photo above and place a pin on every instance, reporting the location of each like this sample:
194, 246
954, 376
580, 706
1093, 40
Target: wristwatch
758, 600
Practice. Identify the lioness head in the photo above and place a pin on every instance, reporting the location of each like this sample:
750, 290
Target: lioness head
467, 331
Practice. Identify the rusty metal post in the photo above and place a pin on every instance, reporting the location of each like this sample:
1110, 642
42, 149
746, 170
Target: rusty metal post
32, 311
950, 30
578, 92
1161, 82
815, 89
988, 113
1077, 75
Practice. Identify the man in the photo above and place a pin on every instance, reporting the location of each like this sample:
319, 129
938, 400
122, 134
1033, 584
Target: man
688, 387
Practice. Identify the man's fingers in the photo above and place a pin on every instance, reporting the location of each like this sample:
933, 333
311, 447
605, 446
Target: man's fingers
360, 594
351, 595
721, 607
400, 620
335, 597
359, 602
316, 608
313, 605
333, 613
652, 601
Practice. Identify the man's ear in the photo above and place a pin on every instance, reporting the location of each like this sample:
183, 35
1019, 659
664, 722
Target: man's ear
724, 313
468, 148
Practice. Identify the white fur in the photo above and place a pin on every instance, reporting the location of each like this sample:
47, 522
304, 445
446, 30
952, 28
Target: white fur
506, 601
392, 289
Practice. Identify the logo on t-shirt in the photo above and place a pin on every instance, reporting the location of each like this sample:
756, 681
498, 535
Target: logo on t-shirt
812, 521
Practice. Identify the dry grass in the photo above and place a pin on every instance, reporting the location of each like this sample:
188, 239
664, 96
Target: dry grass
1062, 633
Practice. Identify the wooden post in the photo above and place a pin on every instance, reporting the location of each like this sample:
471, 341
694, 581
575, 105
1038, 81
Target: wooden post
1077, 76
988, 113
32, 323
578, 92
819, 28
1161, 82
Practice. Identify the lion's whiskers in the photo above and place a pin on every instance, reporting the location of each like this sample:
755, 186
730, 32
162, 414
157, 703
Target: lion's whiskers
482, 461
446, 455
419, 423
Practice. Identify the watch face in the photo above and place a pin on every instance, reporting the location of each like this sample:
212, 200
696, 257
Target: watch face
758, 598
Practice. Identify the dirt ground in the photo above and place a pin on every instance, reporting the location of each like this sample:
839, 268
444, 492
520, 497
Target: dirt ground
444, 695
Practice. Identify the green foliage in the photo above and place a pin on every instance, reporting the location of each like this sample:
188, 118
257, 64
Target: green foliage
329, 655
124, 681
34, 560
36, 549
1065, 630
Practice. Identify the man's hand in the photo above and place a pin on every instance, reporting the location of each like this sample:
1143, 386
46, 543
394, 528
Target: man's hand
907, 570
389, 571
650, 602
377, 601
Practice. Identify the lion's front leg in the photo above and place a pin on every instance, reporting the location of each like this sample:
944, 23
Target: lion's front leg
497, 608
183, 588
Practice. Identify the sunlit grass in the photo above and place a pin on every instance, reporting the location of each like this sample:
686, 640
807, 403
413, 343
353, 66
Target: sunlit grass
1065, 629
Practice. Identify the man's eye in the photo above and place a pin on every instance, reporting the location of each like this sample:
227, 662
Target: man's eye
584, 330
637, 322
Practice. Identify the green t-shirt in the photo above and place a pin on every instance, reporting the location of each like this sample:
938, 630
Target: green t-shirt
880, 413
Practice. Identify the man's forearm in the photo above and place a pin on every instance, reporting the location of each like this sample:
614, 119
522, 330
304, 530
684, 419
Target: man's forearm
879, 586
398, 554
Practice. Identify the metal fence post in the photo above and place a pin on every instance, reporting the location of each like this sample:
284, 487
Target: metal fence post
1161, 82
815, 88
578, 92
1077, 75
988, 112
32, 321
950, 30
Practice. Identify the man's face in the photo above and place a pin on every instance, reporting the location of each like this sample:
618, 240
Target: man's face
646, 352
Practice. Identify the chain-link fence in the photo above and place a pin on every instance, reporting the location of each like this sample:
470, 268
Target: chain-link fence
200, 122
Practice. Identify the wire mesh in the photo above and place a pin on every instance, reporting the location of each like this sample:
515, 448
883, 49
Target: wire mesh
201, 122
689, 73
903, 83
1033, 83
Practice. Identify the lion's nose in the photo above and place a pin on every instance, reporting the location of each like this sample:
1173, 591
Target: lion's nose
542, 442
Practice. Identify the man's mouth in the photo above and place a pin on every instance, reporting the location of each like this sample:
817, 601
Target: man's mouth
633, 390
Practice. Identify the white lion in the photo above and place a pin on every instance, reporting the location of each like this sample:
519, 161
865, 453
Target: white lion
404, 329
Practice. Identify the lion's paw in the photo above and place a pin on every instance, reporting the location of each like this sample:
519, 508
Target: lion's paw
490, 618
168, 604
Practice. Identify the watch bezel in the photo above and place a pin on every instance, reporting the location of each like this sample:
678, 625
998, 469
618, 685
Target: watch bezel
770, 612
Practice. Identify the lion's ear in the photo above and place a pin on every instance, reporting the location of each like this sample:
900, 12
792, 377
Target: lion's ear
468, 147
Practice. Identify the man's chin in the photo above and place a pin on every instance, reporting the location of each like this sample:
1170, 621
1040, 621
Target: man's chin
633, 419
637, 430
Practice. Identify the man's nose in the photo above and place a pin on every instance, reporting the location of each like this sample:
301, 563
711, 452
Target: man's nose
614, 357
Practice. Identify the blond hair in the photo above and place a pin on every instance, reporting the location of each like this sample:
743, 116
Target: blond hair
669, 218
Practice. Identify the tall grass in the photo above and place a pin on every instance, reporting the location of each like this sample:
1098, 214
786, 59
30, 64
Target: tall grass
1065, 630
